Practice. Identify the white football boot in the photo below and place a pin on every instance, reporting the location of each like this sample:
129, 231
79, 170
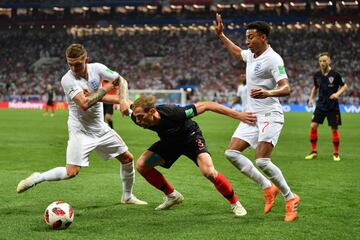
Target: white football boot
238, 209
133, 200
176, 198
27, 183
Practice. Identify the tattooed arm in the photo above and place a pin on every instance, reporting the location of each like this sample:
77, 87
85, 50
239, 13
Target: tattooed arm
85, 101
124, 97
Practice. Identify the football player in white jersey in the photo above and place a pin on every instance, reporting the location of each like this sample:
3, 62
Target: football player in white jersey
266, 81
87, 129
241, 94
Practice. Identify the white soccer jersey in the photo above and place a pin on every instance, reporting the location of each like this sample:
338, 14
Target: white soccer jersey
263, 72
91, 121
242, 93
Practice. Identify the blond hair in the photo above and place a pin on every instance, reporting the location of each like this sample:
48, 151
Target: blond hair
75, 50
324, 54
145, 102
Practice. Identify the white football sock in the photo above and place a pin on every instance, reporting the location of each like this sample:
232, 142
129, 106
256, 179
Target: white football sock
127, 175
55, 174
247, 167
275, 175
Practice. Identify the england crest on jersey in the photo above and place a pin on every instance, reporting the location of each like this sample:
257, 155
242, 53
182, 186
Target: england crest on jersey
94, 84
257, 67
331, 79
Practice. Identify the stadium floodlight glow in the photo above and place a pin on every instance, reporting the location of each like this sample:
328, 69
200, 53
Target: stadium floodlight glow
59, 9
355, 3
273, 4
177, 7
106, 8
246, 5
130, 8
323, 4
223, 6
302, 4
197, 6
328, 25
151, 7
85, 8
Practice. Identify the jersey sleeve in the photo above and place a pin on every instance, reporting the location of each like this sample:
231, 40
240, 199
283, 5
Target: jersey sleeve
277, 69
184, 113
244, 54
316, 84
71, 89
340, 79
105, 73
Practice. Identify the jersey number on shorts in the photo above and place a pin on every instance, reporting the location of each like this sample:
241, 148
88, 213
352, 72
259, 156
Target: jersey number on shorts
267, 123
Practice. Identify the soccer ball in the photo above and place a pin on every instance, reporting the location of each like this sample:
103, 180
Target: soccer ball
59, 215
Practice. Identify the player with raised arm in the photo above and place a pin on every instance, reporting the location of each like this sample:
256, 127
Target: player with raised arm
87, 129
266, 81
330, 86
179, 135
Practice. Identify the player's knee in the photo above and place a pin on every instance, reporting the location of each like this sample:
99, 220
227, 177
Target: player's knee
313, 125
72, 172
210, 174
262, 162
126, 157
231, 154
140, 166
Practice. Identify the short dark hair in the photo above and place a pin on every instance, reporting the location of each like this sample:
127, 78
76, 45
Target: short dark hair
260, 26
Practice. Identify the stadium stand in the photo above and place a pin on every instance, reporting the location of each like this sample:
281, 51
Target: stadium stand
170, 45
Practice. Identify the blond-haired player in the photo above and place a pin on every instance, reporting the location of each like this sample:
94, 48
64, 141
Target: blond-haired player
87, 129
330, 86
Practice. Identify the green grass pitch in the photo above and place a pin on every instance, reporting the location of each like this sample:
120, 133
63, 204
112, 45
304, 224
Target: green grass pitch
330, 192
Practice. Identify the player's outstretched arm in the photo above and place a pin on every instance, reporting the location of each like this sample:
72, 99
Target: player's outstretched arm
246, 117
231, 46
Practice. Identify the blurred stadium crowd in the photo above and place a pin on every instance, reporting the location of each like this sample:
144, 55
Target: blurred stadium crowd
160, 59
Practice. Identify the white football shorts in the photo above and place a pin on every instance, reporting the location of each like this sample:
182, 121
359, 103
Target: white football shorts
267, 129
80, 145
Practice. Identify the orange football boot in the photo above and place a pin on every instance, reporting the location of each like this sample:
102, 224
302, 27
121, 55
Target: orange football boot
270, 194
291, 208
